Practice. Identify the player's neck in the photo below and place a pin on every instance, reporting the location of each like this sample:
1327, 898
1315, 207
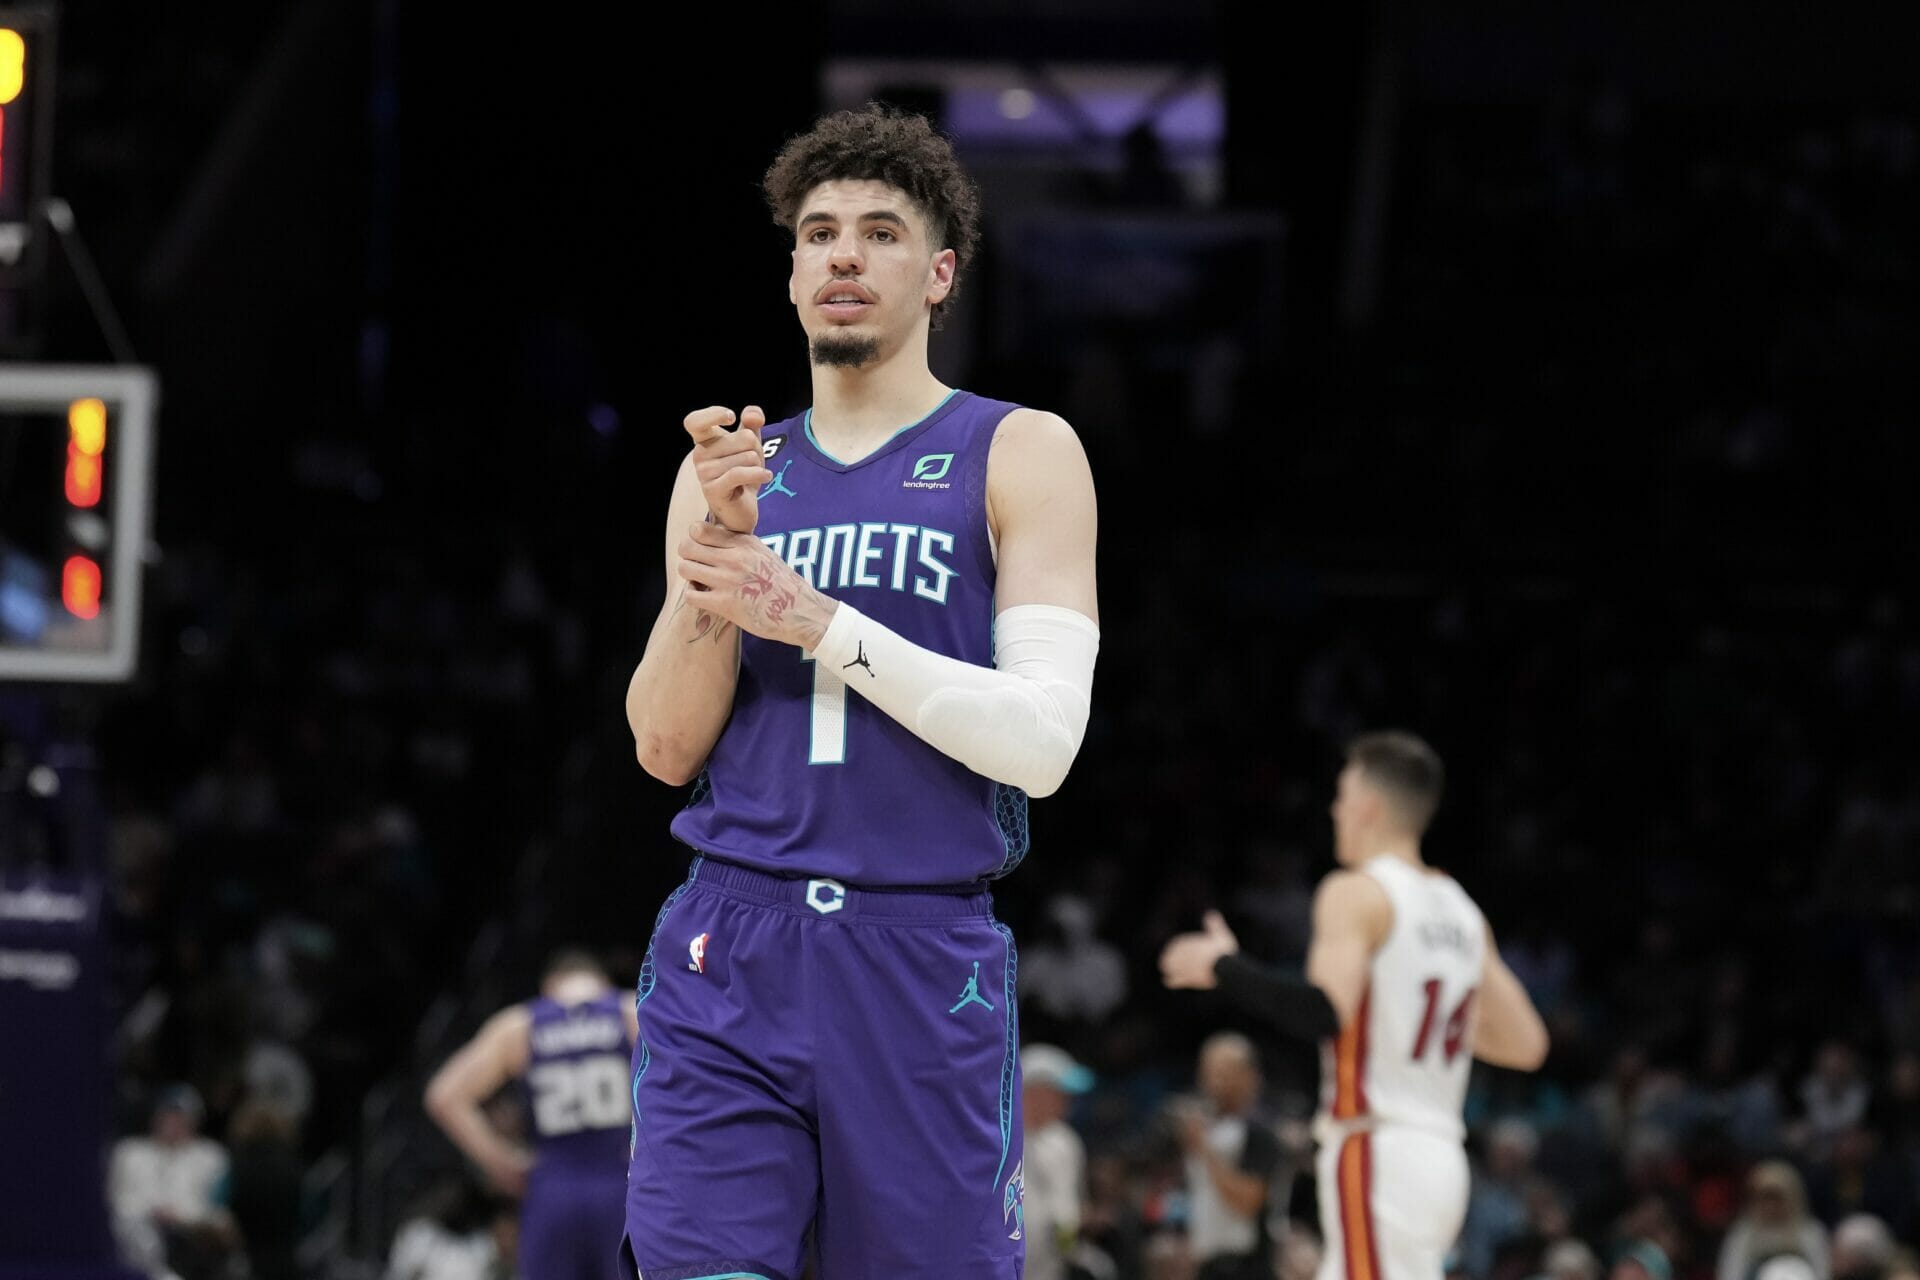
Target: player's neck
1398, 848
855, 411
573, 990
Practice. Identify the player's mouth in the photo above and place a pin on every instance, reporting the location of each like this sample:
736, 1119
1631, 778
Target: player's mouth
844, 301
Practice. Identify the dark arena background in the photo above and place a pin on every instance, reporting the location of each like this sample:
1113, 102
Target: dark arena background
1537, 377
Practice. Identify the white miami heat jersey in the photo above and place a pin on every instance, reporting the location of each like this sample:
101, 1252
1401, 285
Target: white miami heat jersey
1405, 1057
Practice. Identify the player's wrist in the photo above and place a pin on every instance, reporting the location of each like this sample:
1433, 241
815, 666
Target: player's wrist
822, 624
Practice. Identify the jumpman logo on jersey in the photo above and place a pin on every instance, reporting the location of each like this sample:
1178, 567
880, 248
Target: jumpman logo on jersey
971, 993
860, 660
778, 484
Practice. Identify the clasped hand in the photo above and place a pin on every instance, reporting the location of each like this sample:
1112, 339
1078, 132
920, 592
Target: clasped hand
737, 577
730, 465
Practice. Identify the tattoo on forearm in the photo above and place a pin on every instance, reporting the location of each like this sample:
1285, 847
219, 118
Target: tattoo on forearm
704, 624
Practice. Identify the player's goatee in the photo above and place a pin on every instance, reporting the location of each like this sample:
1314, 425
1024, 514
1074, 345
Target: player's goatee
845, 351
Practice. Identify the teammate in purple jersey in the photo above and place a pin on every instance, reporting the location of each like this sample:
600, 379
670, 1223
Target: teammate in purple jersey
571, 1046
878, 639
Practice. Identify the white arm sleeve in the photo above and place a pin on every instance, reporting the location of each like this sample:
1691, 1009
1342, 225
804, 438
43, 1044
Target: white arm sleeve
1019, 721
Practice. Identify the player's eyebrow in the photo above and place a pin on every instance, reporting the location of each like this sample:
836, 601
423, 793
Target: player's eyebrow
876, 215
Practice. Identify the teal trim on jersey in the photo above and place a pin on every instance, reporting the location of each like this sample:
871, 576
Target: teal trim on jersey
1010, 1063
649, 976
732, 1275
806, 425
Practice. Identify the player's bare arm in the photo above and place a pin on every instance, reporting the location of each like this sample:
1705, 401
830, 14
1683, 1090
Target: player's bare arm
1044, 517
1351, 917
495, 1055
682, 691
1508, 1030
1019, 722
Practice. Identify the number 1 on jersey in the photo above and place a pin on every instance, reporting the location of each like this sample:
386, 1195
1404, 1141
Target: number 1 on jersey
1456, 1029
827, 718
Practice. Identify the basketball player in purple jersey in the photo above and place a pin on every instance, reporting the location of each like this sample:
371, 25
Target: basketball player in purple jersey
878, 640
571, 1045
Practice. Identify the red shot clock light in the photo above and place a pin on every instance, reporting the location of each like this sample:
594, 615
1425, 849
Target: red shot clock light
80, 587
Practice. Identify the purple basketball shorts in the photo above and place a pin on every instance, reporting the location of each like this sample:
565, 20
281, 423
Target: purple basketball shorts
824, 1063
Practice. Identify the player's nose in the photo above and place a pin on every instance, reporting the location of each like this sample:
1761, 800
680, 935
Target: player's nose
845, 256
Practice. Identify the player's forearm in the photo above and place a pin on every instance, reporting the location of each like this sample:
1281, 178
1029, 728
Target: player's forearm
1295, 1006
1020, 722
1508, 1031
466, 1126
682, 692
1519, 1042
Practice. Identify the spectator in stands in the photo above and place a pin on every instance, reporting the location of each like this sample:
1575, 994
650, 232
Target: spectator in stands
1641, 1260
1863, 1248
1833, 1097
1056, 1158
1497, 1206
163, 1188
1232, 1161
1071, 977
263, 1191
1569, 1259
1861, 1176
455, 1232
1774, 1221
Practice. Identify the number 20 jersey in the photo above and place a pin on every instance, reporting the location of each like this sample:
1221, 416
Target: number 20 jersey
808, 777
1406, 1056
577, 1078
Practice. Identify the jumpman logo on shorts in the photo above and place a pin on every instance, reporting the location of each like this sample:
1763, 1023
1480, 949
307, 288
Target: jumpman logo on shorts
860, 660
778, 484
971, 994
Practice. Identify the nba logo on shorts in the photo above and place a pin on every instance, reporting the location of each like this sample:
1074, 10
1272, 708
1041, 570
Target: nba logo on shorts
698, 950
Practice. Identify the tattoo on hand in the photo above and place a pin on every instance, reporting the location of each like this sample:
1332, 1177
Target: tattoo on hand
773, 600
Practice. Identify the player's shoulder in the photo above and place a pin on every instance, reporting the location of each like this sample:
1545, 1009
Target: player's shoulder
1349, 892
1347, 883
1023, 424
1037, 446
512, 1019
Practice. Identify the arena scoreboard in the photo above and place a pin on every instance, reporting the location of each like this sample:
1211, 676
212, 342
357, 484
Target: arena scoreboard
76, 455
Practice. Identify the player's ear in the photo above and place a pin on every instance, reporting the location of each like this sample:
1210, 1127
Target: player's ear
940, 276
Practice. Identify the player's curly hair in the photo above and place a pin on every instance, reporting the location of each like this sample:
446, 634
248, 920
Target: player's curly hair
886, 144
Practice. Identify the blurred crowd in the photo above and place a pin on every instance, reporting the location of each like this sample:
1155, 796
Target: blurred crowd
1599, 506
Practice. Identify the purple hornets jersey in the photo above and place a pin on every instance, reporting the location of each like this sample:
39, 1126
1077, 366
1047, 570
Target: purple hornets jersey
577, 1077
811, 779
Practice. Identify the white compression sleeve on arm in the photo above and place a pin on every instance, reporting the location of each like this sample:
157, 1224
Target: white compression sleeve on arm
1019, 721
